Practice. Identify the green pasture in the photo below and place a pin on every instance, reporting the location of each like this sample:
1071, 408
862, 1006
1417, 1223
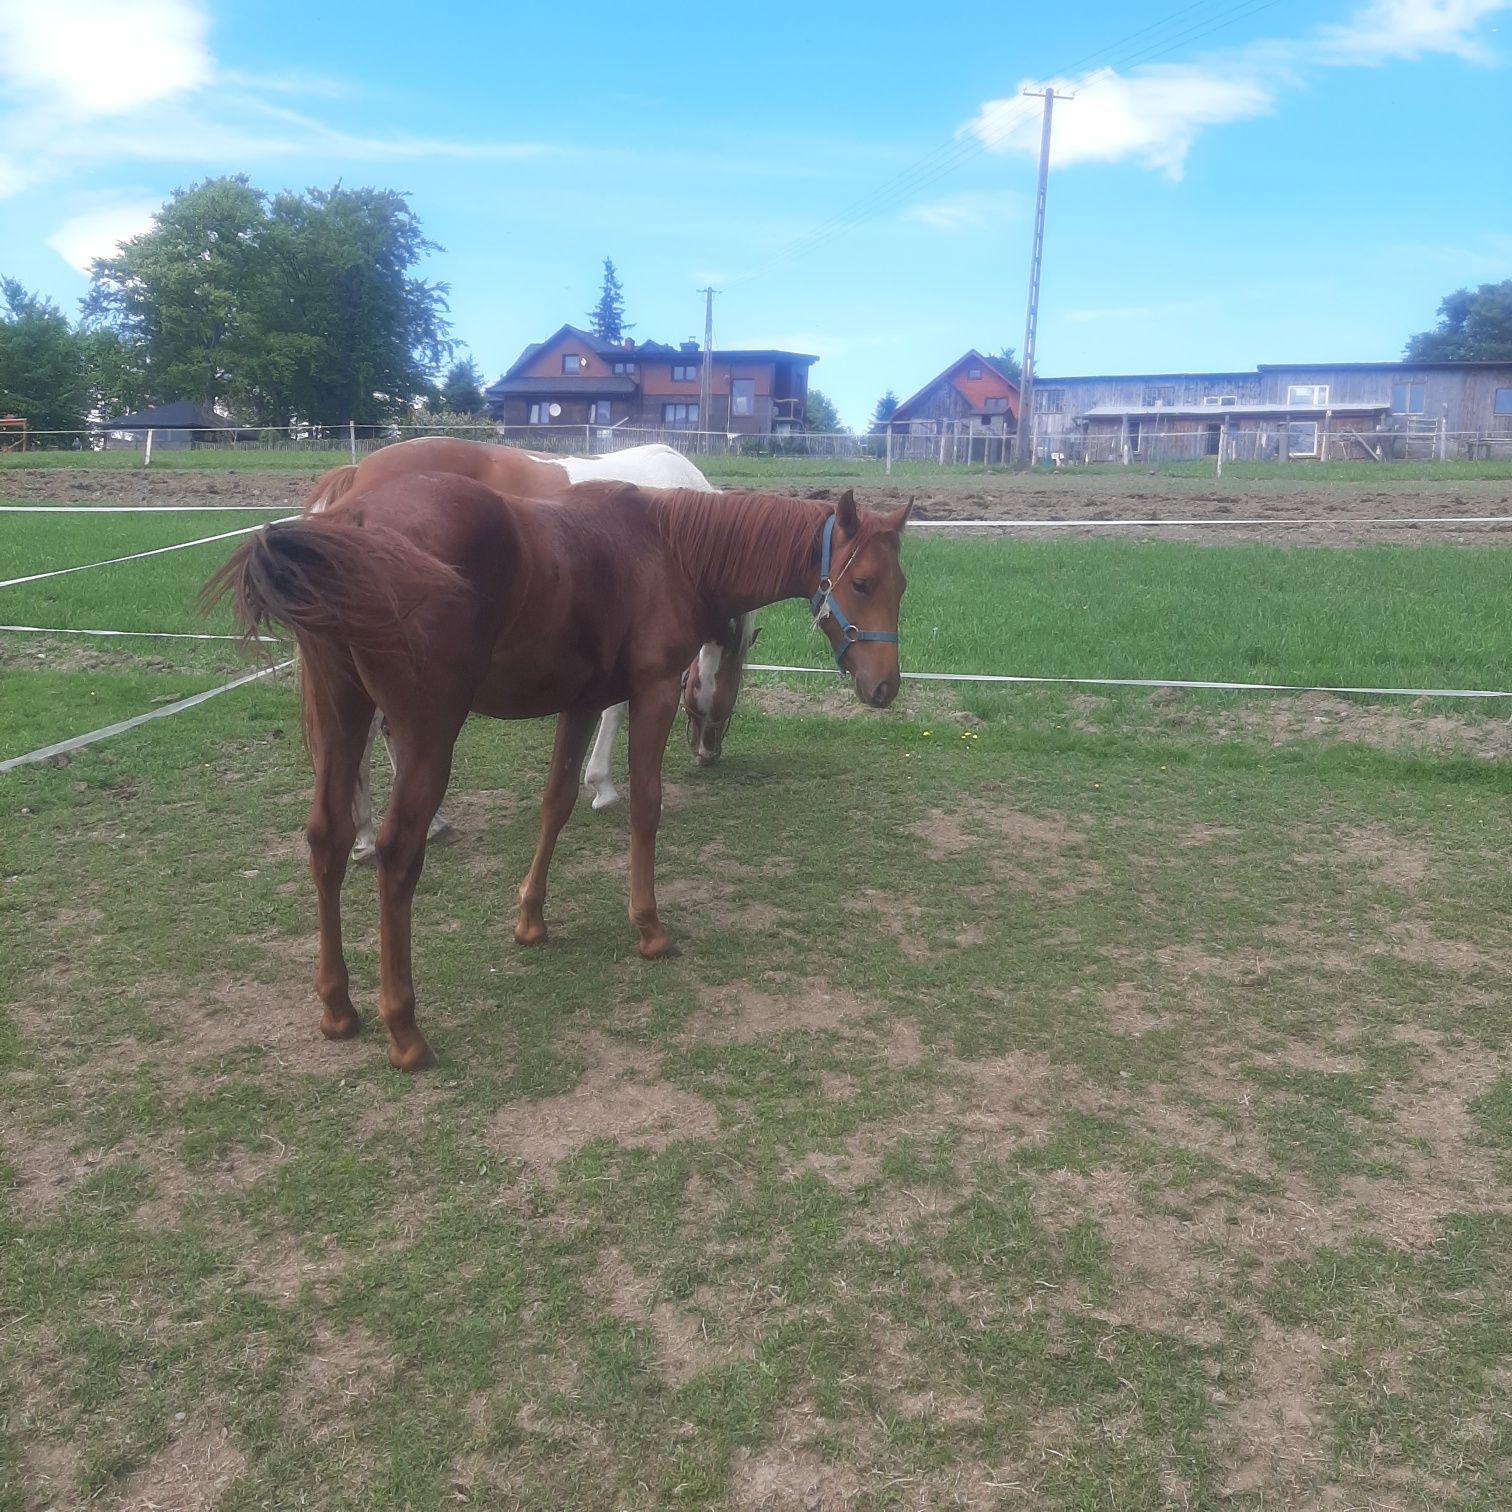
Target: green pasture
1062, 1099
1062, 1111
1375, 616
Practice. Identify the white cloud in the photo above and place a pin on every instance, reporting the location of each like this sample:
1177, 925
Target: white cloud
98, 232
103, 57
1152, 115
968, 212
1387, 29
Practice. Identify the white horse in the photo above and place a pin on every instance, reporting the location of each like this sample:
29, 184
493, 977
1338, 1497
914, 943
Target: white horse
523, 474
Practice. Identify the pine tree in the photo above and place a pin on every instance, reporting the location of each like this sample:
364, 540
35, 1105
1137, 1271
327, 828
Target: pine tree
607, 318
462, 390
887, 407
1008, 364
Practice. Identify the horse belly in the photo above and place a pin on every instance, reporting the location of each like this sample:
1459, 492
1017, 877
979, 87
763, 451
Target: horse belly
531, 691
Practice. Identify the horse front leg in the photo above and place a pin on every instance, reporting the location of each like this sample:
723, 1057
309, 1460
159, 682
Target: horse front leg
421, 774
652, 711
597, 776
572, 732
364, 850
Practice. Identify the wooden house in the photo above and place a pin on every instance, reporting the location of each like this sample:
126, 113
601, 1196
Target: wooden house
1286, 411
573, 378
971, 394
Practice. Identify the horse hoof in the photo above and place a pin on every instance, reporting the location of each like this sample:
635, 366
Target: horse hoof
365, 855
419, 1057
656, 948
530, 934
604, 798
339, 1028
440, 831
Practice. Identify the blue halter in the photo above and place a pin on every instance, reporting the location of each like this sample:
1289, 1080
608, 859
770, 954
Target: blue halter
824, 602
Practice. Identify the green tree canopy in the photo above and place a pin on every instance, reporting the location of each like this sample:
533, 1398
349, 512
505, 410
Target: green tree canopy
821, 415
462, 389
1006, 361
1475, 325
607, 318
41, 362
887, 407
302, 307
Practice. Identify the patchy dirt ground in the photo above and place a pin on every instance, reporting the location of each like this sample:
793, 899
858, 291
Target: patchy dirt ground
1001, 498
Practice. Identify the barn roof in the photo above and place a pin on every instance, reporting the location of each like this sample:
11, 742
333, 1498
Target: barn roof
182, 414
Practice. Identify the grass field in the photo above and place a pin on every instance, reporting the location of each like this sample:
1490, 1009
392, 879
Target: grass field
1059, 1101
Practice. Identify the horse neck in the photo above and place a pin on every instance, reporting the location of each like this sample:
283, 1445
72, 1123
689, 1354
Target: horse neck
743, 550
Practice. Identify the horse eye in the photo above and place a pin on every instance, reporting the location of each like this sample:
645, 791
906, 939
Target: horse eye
862, 586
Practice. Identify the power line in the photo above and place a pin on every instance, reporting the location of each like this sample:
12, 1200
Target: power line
955, 152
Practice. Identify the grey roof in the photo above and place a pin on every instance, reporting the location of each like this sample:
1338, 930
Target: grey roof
182, 414
1217, 411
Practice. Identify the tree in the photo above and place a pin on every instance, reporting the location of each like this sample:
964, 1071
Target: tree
462, 389
607, 318
1007, 363
41, 363
182, 291
114, 373
1474, 326
821, 415
303, 307
887, 407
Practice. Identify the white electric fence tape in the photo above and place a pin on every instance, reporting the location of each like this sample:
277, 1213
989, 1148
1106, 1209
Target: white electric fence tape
137, 556
63, 747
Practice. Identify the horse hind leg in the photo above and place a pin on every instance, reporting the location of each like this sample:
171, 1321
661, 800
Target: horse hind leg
422, 771
339, 721
597, 774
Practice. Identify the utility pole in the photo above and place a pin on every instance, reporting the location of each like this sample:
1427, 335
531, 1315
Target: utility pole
1023, 453
706, 369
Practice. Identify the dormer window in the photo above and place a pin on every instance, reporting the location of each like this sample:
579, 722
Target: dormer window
573, 363
973, 372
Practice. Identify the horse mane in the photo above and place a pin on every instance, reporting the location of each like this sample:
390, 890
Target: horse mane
744, 545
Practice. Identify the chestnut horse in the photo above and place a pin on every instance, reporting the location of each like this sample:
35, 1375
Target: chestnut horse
516, 473
433, 597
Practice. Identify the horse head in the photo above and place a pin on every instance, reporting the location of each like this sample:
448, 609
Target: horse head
859, 592
712, 684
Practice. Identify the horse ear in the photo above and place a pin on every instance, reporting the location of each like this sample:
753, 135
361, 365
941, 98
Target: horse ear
846, 515
898, 518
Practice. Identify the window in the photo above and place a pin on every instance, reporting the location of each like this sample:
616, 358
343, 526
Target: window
572, 363
1302, 438
742, 396
1157, 394
680, 414
624, 369
973, 372
998, 402
540, 414
1307, 393
681, 374
1133, 436
1048, 401
598, 412
1503, 402
1212, 438
1407, 398
1224, 399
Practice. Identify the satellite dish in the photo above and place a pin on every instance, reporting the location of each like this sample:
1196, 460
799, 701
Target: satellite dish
554, 410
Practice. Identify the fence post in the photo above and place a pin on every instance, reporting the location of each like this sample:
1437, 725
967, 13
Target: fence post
1223, 441
352, 440
147, 452
888, 469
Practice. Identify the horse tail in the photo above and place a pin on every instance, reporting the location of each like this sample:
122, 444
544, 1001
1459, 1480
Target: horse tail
330, 581
329, 487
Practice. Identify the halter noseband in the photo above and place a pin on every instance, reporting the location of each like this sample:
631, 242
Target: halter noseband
823, 603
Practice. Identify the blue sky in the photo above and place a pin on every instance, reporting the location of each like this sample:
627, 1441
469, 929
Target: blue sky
1237, 181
